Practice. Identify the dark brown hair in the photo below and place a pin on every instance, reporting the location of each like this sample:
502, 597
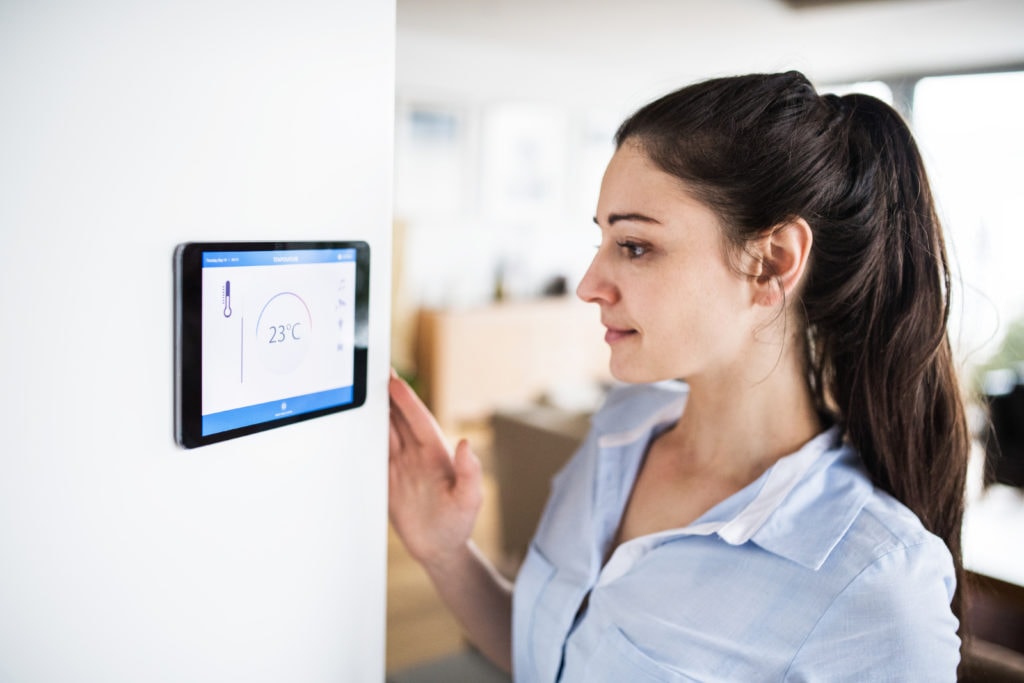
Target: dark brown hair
763, 149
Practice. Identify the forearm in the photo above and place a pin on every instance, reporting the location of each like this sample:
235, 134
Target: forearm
480, 598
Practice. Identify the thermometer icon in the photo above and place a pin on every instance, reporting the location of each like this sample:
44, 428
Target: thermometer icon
227, 298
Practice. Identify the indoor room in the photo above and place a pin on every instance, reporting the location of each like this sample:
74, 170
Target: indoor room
325, 320
505, 117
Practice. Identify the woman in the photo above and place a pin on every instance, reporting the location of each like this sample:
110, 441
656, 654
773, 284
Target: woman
789, 510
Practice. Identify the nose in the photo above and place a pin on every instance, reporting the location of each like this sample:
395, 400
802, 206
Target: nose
596, 287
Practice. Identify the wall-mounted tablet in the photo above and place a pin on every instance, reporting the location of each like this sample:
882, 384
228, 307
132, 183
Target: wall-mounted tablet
267, 333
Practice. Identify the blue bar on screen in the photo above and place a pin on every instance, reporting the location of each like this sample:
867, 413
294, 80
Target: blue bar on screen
264, 412
282, 257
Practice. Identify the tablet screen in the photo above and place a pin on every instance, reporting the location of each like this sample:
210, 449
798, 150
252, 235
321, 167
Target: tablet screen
278, 331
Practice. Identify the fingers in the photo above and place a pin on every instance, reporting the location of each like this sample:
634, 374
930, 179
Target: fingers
467, 476
466, 463
401, 433
399, 426
395, 443
414, 421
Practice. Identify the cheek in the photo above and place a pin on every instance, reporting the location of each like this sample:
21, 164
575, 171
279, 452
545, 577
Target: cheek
706, 310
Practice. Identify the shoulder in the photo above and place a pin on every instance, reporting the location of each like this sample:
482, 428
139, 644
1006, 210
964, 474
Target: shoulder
900, 566
887, 544
889, 614
876, 584
898, 556
885, 526
835, 519
891, 622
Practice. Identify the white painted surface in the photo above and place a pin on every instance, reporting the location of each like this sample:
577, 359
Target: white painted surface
127, 127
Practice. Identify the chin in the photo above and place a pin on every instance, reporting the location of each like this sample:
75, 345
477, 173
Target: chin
634, 375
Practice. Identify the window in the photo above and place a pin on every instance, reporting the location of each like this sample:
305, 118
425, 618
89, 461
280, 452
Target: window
970, 132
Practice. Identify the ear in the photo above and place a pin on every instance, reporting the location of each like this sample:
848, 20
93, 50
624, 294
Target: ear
781, 256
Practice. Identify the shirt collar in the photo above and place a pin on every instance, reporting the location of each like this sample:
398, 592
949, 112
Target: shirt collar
641, 408
806, 502
810, 521
776, 484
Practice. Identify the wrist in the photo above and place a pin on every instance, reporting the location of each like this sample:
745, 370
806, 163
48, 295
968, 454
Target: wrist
449, 560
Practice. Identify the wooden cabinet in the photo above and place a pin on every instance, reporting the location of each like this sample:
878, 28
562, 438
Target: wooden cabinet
472, 361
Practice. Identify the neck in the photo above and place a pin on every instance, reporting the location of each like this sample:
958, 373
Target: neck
739, 423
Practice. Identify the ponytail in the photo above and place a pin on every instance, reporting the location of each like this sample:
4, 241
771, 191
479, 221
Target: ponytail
766, 148
877, 323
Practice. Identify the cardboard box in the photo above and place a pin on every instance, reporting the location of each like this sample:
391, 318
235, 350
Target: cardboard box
530, 447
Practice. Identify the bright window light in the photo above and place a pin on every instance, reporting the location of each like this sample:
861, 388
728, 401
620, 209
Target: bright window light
970, 132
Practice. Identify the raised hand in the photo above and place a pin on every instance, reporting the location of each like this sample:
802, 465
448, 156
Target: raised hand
434, 495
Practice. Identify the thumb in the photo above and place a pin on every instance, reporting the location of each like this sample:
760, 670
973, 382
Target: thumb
468, 475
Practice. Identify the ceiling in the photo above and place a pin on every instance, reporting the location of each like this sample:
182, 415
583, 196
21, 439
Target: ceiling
612, 50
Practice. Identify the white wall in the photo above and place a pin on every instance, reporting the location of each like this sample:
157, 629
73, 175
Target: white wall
127, 127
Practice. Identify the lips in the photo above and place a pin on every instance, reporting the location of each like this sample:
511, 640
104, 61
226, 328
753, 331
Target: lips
614, 334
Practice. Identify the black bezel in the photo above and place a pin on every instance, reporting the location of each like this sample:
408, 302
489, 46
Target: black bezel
188, 340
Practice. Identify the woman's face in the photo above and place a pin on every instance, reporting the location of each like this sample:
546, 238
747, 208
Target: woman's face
674, 305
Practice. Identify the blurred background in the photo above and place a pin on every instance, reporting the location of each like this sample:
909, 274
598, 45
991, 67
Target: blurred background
506, 109
505, 113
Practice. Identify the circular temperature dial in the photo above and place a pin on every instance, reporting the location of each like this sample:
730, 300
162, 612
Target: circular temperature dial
284, 332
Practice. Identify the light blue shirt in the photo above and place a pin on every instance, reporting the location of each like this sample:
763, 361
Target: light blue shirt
807, 574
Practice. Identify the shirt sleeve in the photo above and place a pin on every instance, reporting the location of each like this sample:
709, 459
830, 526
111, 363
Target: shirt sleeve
892, 623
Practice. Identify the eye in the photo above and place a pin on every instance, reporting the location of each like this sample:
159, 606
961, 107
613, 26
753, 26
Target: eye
633, 249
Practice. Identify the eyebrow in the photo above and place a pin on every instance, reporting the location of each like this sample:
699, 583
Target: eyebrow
613, 218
